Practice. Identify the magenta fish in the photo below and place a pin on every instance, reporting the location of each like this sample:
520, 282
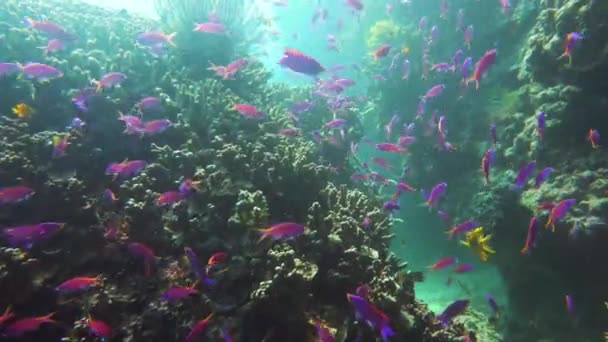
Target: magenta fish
25, 236
463, 227
435, 91
453, 310
482, 66
109, 80
335, 123
53, 45
156, 126
462, 268
373, 316
391, 147
210, 27
148, 103
51, 29
280, 231
145, 253
156, 38
559, 211
7, 69
178, 292
39, 71
435, 194
27, 324
170, 197
299, 62
14, 194
523, 174
126, 168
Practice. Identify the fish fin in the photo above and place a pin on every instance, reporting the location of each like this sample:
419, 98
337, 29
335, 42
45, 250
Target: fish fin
170, 39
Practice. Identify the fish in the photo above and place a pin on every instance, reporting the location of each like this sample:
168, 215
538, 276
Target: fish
109, 80
198, 329
493, 305
76, 123
434, 91
441, 67
391, 147
465, 68
25, 236
479, 242
23, 111
126, 168
145, 253
486, 163
81, 97
391, 206
442, 263
381, 162
359, 176
545, 206
7, 69
6, 316
335, 123
482, 66
60, 144
452, 311
216, 258
463, 227
109, 196
402, 187
373, 316
27, 324
195, 266
569, 304
558, 211
444, 216
247, 110
279, 231
542, 176
299, 62
148, 103
462, 268
540, 125
39, 71
156, 38
178, 292
15, 194
381, 51
301, 107
188, 186
133, 123
52, 45
98, 328
531, 237
322, 331
436, 192
570, 43
156, 126
594, 138
404, 141
523, 174
51, 29
210, 27
170, 197
354, 4
78, 284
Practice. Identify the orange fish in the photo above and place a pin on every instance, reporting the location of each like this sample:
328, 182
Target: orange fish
23, 111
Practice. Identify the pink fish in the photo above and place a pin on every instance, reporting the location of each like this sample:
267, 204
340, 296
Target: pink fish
156, 126
335, 123
198, 329
109, 80
25, 236
126, 168
40, 71
133, 123
462, 268
299, 62
354, 4
482, 66
7, 69
531, 236
289, 132
381, 162
178, 292
170, 197
435, 91
441, 263
145, 253
441, 67
248, 110
280, 231
435, 194
99, 328
461, 228
51, 29
14, 194
53, 45
391, 147
404, 141
148, 103
381, 51
558, 211
24, 325
6, 316
156, 38
210, 27
78, 284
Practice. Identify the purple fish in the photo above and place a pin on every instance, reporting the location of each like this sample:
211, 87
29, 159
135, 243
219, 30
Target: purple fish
569, 304
196, 268
420, 108
284, 230
391, 206
25, 236
81, 97
435, 91
435, 194
335, 123
493, 305
301, 107
109, 80
148, 103
133, 124
523, 174
465, 68
155, 38
41, 72
453, 310
14, 194
463, 268
142, 251
156, 126
126, 168
301, 63
531, 236
542, 176
456, 59
178, 292
559, 211
7, 69
463, 227
540, 125
51, 29
367, 312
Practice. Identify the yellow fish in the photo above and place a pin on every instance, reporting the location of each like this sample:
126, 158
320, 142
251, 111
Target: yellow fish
23, 111
479, 242
405, 50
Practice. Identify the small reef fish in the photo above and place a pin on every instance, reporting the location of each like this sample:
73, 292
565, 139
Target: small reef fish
381, 51
23, 111
169, 197
441, 67
570, 43
53, 45
188, 186
493, 135
373, 316
51, 29
486, 163
210, 27
76, 123
381, 162
289, 132
155, 38
493, 305
109, 80
452, 311
109, 196
531, 237
284, 230
465, 68
435, 91
540, 125
558, 211
363, 291
322, 331
145, 253
195, 265
301, 107
7, 69
247, 110
27, 324
436, 193
78, 284
39, 71
594, 138
542, 176
216, 258
133, 123
523, 174
391, 147
402, 187
482, 66
60, 144
25, 236
178, 292
14, 194
81, 97
156, 126
299, 62
479, 242
98, 328
335, 123
198, 329
126, 168
463, 227
569, 304
405, 140
391, 206
442, 263
462, 268
148, 103
354, 4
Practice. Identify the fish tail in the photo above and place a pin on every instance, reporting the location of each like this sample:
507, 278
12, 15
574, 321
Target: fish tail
48, 318
170, 39
28, 22
263, 234
524, 250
